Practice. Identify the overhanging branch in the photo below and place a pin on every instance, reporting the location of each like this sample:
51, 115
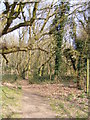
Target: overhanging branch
17, 49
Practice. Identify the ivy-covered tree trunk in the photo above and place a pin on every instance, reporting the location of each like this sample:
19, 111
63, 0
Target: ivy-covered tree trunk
60, 19
78, 73
57, 55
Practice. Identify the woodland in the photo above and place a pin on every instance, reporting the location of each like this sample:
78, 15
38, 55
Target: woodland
44, 49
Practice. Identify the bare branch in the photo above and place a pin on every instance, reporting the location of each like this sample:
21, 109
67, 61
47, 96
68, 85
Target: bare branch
5, 58
47, 60
17, 49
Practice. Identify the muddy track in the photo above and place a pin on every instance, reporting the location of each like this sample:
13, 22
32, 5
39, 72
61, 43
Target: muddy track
36, 106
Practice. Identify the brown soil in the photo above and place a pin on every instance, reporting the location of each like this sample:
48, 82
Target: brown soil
34, 104
37, 97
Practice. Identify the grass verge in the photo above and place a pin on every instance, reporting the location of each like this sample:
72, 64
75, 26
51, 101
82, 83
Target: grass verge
11, 102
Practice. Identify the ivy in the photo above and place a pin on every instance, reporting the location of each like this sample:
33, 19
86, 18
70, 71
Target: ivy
62, 8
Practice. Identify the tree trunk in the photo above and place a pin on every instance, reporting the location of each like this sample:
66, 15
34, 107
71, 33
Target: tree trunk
78, 80
87, 76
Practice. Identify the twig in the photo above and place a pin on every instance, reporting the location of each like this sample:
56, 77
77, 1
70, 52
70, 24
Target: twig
6, 95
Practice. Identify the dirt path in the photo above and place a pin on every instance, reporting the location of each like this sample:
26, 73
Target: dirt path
35, 105
66, 102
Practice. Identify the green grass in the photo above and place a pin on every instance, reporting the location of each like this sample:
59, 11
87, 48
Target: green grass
11, 102
82, 95
70, 97
65, 109
59, 107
